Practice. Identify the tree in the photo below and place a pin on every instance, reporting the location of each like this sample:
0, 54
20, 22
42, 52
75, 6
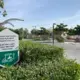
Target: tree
60, 28
3, 12
44, 31
25, 32
34, 31
77, 30
21, 33
71, 32
41, 31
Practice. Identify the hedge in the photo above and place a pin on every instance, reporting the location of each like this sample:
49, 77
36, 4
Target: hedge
34, 52
67, 70
60, 39
41, 62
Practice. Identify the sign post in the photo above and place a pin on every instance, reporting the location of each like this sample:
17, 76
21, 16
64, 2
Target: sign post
53, 32
9, 44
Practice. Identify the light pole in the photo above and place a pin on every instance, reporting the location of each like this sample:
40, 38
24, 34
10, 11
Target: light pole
53, 32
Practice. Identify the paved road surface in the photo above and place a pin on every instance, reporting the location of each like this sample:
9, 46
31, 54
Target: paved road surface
72, 50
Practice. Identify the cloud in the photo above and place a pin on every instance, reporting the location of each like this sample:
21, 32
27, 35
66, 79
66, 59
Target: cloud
32, 12
71, 20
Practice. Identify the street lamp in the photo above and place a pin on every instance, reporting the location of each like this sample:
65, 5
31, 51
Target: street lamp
53, 32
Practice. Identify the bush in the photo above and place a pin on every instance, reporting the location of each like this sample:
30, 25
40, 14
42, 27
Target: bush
65, 70
45, 37
41, 37
60, 39
34, 52
41, 62
36, 39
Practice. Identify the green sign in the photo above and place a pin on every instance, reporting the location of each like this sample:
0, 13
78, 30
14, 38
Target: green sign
9, 43
9, 57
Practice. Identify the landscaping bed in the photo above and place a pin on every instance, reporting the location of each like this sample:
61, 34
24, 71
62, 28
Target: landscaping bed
41, 62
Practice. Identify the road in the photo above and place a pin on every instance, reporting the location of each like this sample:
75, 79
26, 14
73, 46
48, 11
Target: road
72, 50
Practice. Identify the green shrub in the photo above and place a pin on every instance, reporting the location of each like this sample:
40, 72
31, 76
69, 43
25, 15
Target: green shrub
60, 39
45, 37
64, 70
41, 62
34, 52
36, 39
41, 37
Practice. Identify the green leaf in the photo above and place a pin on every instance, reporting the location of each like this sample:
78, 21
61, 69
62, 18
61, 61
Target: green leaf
4, 13
1, 4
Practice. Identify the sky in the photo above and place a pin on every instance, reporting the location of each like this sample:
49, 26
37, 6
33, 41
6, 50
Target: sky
43, 13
